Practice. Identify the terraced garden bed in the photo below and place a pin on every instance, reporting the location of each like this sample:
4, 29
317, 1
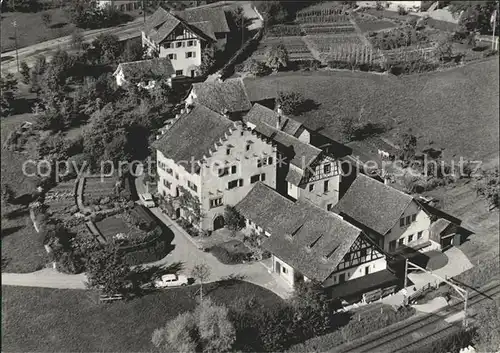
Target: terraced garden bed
344, 29
61, 198
367, 23
297, 49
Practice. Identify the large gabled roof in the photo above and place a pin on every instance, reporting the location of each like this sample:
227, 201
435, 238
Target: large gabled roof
162, 23
308, 238
191, 137
146, 69
227, 95
216, 16
373, 204
260, 114
301, 154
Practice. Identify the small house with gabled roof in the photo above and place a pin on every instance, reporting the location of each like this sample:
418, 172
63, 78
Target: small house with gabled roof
392, 218
182, 36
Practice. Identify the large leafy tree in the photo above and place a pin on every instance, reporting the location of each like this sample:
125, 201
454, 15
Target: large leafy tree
408, 146
207, 62
8, 87
272, 11
475, 15
108, 48
206, 329
107, 270
277, 57
488, 186
291, 102
311, 306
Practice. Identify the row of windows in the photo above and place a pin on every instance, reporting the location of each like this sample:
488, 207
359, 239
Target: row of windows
257, 177
407, 220
401, 241
179, 44
225, 171
264, 161
216, 202
326, 186
234, 183
188, 54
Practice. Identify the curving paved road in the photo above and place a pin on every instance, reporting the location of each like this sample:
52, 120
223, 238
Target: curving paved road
29, 54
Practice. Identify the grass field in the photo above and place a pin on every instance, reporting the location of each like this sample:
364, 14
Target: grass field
22, 246
42, 319
12, 162
456, 109
31, 29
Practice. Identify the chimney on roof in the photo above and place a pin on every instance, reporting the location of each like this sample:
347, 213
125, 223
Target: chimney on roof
278, 118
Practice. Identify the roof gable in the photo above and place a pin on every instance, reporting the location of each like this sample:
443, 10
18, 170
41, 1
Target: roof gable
216, 16
261, 114
193, 135
373, 204
219, 96
306, 237
146, 69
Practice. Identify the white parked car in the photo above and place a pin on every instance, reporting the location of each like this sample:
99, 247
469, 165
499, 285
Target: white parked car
171, 281
147, 199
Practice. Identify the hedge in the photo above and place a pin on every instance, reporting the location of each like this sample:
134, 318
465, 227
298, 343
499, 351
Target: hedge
149, 251
227, 257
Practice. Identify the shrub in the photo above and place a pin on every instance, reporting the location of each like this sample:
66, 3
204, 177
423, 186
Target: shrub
256, 68
233, 219
374, 321
291, 103
227, 257
25, 72
402, 11
277, 57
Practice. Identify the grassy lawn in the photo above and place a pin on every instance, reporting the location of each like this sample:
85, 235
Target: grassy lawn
31, 29
42, 319
22, 246
456, 109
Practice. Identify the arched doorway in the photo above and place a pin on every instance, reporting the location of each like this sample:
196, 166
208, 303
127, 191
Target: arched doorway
218, 222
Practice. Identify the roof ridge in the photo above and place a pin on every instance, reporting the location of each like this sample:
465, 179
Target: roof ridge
388, 187
332, 214
273, 190
293, 137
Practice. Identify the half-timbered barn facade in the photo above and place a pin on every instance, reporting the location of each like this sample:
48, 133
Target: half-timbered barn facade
307, 242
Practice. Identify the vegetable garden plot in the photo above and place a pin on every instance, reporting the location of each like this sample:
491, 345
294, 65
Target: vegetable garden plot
297, 49
326, 44
111, 226
61, 197
284, 31
99, 188
329, 29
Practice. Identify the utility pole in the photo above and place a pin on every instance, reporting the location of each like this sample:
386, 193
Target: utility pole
14, 23
493, 22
